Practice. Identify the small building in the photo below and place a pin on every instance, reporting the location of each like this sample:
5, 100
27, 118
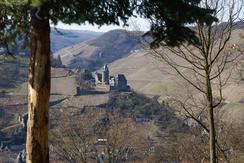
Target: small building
98, 78
105, 76
104, 81
121, 82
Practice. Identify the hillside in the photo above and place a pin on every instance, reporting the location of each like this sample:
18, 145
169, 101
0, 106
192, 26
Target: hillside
145, 74
151, 77
93, 54
147, 77
61, 38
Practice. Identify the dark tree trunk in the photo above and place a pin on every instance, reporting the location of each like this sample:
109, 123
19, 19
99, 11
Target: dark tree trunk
39, 87
212, 135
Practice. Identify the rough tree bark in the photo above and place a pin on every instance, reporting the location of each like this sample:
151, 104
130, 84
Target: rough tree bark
210, 108
38, 87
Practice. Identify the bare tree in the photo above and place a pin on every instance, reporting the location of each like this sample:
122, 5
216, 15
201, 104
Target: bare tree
73, 138
180, 147
239, 64
95, 136
124, 138
231, 140
206, 66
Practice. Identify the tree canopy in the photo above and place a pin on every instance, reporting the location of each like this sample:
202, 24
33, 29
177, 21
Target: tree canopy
169, 19
18, 18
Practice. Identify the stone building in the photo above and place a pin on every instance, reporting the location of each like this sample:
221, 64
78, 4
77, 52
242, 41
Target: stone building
105, 76
106, 82
98, 78
121, 82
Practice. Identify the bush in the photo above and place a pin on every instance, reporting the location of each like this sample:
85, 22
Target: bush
137, 105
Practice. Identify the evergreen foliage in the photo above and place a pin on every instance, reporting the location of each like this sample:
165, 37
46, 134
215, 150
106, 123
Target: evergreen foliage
168, 18
22, 17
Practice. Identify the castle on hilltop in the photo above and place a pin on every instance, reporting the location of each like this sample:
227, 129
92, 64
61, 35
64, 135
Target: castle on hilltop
100, 82
105, 82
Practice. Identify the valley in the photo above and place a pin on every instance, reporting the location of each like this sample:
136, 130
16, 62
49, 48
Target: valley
147, 105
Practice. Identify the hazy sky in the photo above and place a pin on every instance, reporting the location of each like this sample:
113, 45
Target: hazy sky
134, 24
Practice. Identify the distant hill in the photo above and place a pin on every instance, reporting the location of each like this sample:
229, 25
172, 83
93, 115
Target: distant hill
61, 38
93, 54
145, 74
149, 76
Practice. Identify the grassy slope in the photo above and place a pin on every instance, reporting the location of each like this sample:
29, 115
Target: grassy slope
148, 76
92, 54
145, 74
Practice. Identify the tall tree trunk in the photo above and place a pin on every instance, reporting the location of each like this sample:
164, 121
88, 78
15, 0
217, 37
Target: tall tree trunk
39, 87
212, 139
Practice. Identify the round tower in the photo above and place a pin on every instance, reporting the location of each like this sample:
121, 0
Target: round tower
105, 75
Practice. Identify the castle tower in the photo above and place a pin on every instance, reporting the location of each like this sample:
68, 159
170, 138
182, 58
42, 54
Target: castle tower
105, 75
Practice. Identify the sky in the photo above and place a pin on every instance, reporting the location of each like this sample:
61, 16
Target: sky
134, 24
